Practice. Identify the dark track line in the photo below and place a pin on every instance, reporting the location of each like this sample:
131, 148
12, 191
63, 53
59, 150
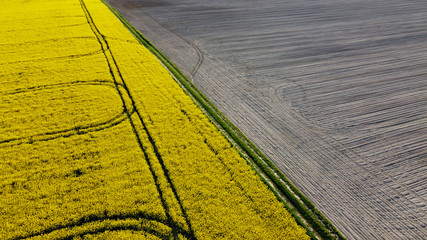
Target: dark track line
67, 84
55, 58
221, 160
45, 40
78, 130
199, 62
103, 217
122, 40
134, 228
59, 26
107, 52
200, 54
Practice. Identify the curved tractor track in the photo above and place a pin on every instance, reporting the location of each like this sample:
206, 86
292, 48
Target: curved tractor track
118, 79
194, 45
112, 223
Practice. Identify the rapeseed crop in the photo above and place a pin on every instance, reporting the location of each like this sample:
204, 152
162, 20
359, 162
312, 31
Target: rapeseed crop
97, 140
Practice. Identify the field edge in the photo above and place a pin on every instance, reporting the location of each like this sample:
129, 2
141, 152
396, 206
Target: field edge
285, 191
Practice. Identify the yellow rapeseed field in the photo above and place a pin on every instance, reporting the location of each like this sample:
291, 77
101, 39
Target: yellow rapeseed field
97, 140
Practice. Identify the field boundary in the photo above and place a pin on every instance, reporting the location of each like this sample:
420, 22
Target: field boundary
305, 213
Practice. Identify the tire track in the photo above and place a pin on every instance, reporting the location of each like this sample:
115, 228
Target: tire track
55, 58
32, 29
76, 130
118, 78
105, 216
199, 62
56, 85
192, 44
44, 41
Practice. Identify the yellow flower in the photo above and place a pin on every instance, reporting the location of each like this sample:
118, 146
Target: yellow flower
97, 140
